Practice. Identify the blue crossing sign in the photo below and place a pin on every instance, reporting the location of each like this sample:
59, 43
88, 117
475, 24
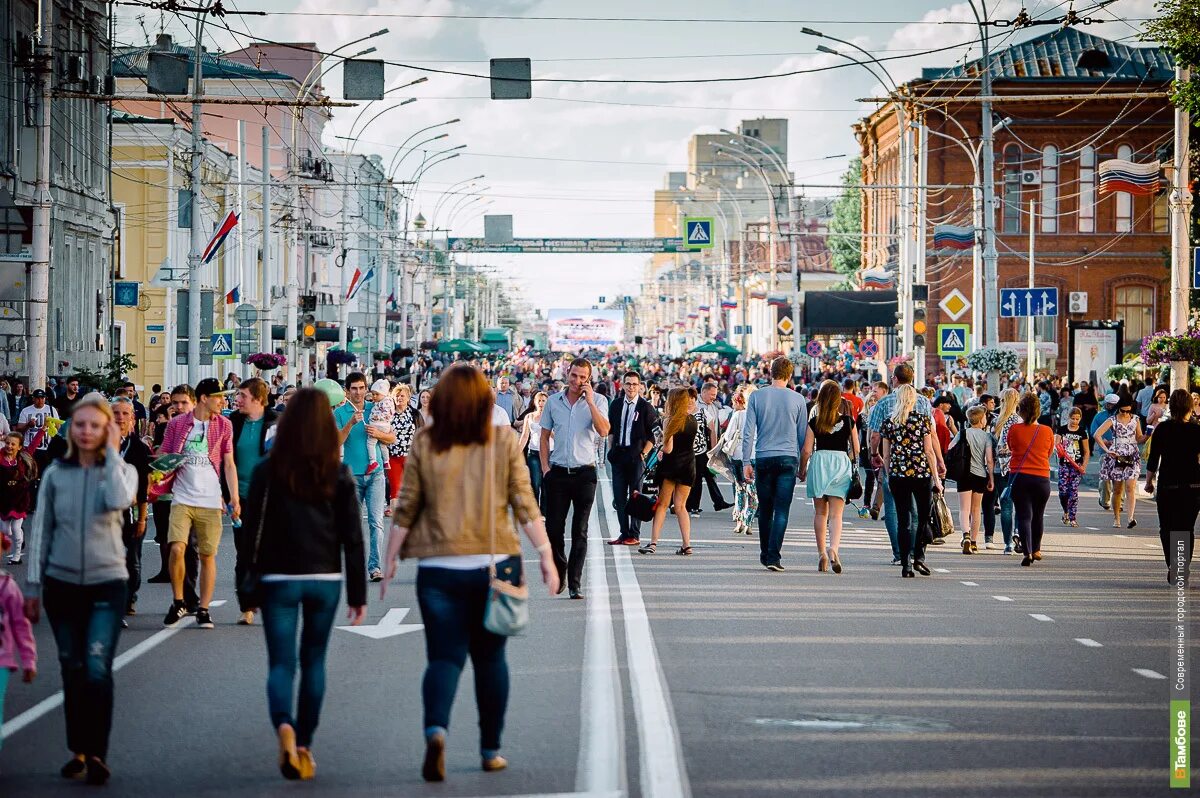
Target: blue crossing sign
954, 340
222, 343
1018, 302
697, 233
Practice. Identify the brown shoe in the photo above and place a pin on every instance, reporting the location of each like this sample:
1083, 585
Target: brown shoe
289, 762
434, 768
1037, 555
495, 763
308, 765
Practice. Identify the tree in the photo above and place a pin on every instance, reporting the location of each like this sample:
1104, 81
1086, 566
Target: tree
845, 230
1177, 29
110, 377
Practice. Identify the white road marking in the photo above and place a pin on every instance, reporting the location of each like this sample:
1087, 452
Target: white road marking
662, 772
970, 584
390, 625
941, 570
44, 706
1149, 674
1097, 529
1001, 598
601, 764
1089, 642
1037, 616
1117, 536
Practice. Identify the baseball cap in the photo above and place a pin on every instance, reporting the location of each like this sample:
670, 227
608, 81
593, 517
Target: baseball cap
1111, 399
38, 394
210, 386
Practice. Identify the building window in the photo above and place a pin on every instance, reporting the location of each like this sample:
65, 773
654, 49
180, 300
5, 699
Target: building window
1010, 212
1045, 329
1134, 305
1087, 190
1049, 209
1162, 212
1124, 199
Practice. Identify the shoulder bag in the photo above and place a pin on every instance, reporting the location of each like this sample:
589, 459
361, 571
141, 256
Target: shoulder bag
250, 587
507, 610
856, 487
1006, 494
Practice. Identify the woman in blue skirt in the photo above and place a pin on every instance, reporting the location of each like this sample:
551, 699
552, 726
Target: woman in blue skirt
827, 467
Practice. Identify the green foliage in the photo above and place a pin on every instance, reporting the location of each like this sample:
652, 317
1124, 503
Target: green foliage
109, 377
845, 239
1178, 30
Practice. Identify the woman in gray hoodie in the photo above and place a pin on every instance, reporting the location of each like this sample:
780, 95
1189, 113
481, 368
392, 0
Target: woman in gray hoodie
77, 567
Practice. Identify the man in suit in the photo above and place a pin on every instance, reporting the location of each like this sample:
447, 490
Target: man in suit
631, 420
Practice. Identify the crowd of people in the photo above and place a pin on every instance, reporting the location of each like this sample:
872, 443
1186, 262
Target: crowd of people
307, 478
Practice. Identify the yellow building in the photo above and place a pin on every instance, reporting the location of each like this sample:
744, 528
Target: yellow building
150, 180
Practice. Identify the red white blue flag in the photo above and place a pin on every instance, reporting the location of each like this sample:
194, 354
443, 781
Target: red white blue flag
219, 237
358, 281
1130, 177
234, 296
949, 236
729, 304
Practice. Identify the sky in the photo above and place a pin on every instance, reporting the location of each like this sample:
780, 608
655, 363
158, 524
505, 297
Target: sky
583, 159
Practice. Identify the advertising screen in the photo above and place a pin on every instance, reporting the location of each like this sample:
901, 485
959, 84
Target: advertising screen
572, 329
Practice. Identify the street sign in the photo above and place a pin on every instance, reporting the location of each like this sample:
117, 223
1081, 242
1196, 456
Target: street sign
868, 348
181, 352
955, 304
785, 325
125, 294
1017, 302
697, 233
954, 340
246, 315
814, 348
546, 246
246, 341
222, 344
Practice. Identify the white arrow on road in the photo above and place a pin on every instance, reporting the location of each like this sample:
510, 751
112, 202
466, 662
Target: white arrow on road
390, 625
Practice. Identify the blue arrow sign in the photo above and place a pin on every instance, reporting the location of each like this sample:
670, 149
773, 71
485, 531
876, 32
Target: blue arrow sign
1021, 302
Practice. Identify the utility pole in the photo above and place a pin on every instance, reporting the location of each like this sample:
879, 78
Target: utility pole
1181, 202
793, 228
388, 273
918, 233
266, 341
991, 281
39, 267
242, 191
197, 192
343, 302
1030, 346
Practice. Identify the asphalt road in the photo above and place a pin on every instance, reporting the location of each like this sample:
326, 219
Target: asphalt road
705, 675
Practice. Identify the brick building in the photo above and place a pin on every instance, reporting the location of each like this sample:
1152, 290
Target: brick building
1109, 250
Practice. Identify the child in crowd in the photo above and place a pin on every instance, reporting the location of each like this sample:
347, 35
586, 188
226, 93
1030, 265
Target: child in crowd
18, 473
1073, 452
17, 647
381, 419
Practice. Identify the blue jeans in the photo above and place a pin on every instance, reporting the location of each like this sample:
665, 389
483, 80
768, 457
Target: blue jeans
86, 621
533, 461
775, 479
452, 605
3, 689
890, 519
283, 603
372, 494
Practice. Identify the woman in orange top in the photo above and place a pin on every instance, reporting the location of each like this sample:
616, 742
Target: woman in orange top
1030, 444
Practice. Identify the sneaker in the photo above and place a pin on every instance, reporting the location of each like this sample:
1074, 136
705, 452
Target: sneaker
176, 614
974, 547
874, 514
775, 566
204, 620
987, 544
247, 618
373, 467
895, 561
1008, 550
377, 575
15, 559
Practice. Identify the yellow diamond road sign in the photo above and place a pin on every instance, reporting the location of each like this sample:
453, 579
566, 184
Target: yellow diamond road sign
955, 304
785, 325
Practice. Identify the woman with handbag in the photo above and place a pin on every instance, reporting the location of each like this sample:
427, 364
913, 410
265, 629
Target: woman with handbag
1122, 461
745, 497
1005, 420
978, 479
462, 476
304, 510
1175, 454
827, 468
676, 469
1030, 444
909, 461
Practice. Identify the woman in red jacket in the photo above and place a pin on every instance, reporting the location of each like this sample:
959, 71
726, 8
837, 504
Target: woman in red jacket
1031, 444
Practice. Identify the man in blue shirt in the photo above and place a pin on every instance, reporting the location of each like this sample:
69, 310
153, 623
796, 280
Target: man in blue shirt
354, 433
772, 438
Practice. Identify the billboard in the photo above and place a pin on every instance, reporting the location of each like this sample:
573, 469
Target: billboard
572, 329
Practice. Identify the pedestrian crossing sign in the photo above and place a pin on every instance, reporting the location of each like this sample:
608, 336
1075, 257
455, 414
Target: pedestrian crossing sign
954, 340
222, 344
698, 233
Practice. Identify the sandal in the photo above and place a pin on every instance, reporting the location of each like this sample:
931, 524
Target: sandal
649, 548
684, 551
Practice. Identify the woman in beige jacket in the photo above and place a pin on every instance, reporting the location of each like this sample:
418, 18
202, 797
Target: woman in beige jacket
461, 477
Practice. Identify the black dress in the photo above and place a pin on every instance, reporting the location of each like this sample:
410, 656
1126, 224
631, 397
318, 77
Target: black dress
680, 465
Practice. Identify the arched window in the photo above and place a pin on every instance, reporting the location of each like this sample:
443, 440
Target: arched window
1010, 212
1049, 209
1124, 200
1134, 305
1087, 190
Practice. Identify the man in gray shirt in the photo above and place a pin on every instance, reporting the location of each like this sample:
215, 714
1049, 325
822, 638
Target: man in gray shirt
772, 438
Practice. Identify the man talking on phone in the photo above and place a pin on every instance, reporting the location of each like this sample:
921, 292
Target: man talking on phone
578, 419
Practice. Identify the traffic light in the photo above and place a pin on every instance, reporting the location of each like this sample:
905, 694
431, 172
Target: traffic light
308, 329
918, 327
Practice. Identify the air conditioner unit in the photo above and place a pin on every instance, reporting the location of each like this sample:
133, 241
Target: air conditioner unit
73, 70
1031, 177
96, 85
278, 292
1077, 302
26, 47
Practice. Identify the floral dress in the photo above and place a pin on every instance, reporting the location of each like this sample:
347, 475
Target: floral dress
405, 428
1124, 446
907, 443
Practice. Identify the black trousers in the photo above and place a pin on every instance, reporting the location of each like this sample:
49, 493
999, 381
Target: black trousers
569, 490
627, 471
161, 510
907, 492
1030, 495
703, 475
133, 559
1177, 511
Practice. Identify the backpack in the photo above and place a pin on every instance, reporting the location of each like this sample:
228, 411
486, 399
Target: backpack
958, 458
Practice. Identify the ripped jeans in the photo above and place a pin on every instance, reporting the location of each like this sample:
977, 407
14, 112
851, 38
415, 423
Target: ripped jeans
86, 620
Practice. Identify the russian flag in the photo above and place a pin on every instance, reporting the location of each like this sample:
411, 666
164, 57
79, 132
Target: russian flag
1134, 178
219, 237
693, 315
729, 304
778, 300
948, 236
754, 294
358, 281
234, 296
877, 278
704, 308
